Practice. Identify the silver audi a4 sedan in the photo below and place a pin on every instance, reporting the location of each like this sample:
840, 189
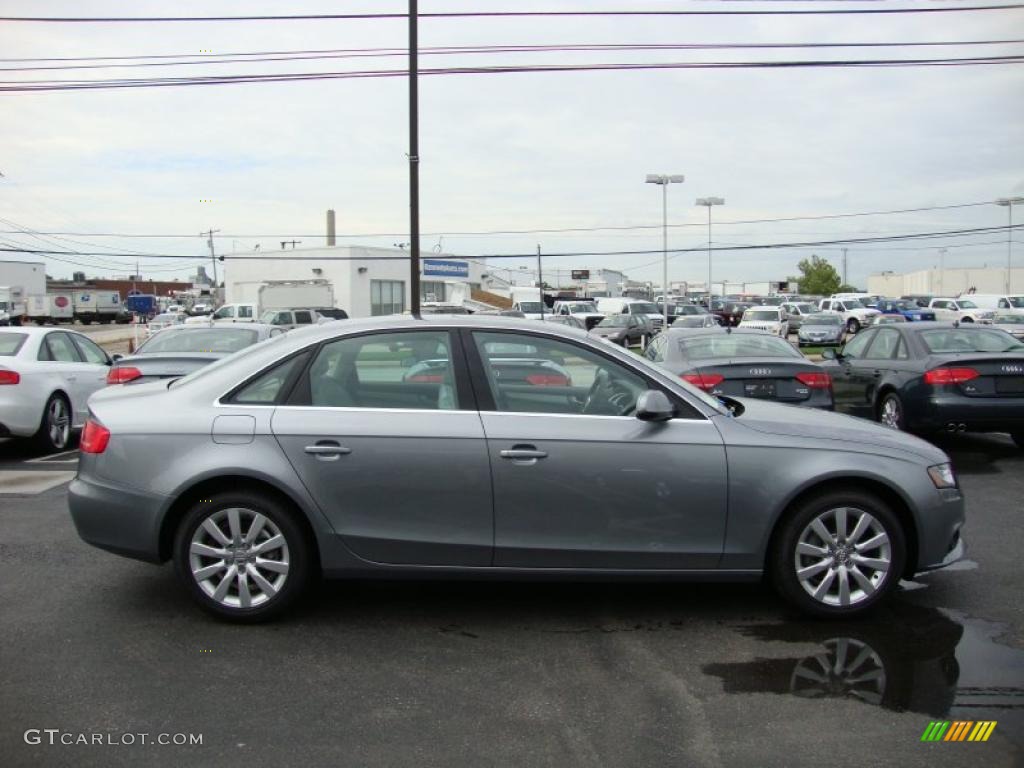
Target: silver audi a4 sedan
334, 450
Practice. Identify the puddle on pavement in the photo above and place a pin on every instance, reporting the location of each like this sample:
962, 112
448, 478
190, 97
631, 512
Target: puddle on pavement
906, 658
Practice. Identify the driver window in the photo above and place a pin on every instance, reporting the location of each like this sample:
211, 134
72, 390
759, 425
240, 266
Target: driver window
533, 374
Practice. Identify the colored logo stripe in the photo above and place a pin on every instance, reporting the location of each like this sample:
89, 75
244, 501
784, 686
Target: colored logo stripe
959, 730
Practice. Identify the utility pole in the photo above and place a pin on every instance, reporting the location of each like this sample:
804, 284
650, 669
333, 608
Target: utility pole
213, 257
414, 161
845, 282
540, 283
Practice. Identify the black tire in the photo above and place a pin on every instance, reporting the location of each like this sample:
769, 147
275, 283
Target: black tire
45, 438
1018, 438
890, 413
299, 555
783, 555
853, 325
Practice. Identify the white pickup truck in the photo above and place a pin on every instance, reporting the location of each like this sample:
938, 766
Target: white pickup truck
855, 315
962, 310
583, 310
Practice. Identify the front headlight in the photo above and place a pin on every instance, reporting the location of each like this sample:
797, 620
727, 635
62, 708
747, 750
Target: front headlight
942, 475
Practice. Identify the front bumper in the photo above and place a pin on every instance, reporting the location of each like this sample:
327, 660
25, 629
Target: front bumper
117, 519
939, 527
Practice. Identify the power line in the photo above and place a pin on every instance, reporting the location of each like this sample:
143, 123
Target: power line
119, 62
27, 86
506, 14
542, 231
702, 249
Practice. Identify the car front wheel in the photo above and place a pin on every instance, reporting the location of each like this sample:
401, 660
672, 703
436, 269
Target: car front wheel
838, 554
242, 556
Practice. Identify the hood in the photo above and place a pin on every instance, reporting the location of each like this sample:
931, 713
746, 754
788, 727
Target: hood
795, 421
865, 312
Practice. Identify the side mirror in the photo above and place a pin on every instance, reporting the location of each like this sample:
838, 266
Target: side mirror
116, 356
654, 405
829, 354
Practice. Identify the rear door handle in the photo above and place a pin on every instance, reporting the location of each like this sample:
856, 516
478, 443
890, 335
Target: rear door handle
327, 451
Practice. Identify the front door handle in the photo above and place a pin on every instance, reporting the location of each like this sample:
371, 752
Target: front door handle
524, 453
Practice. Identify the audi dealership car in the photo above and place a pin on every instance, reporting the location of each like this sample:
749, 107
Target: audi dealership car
697, 321
626, 330
905, 308
933, 376
46, 376
314, 454
824, 329
742, 363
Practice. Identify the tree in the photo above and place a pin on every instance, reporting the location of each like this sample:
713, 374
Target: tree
818, 277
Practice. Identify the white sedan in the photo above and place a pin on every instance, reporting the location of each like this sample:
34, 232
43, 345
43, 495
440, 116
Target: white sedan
46, 377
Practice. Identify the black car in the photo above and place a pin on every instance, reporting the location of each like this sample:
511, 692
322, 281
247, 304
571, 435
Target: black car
627, 330
931, 376
742, 363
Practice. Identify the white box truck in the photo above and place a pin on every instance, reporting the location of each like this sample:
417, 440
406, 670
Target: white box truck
51, 308
12, 305
18, 281
275, 295
97, 306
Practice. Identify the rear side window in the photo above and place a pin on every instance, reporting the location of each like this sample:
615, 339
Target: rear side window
268, 387
10, 343
91, 352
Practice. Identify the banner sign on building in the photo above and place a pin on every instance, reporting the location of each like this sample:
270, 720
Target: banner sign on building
445, 268
581, 274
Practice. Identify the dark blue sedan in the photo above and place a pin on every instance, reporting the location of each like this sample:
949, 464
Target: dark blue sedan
909, 309
931, 377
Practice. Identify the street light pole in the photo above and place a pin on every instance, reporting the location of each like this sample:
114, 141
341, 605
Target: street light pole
664, 180
708, 202
1008, 203
414, 161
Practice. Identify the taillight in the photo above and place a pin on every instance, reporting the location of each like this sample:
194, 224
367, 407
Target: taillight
121, 375
950, 375
9, 377
704, 381
94, 437
814, 379
547, 380
427, 378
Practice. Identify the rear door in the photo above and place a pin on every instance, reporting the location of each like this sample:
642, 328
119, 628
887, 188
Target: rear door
60, 357
383, 432
579, 482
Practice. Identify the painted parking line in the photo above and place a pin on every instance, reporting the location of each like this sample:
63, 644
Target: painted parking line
12, 481
55, 458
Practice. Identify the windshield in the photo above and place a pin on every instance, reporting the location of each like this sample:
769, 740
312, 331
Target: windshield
225, 340
1016, 301
823, 320
966, 304
689, 321
268, 317
10, 343
614, 321
970, 340
762, 315
644, 308
529, 306
582, 306
727, 345
1008, 319
904, 306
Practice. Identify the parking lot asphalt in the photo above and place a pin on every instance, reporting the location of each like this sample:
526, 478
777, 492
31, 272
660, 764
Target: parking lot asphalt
456, 673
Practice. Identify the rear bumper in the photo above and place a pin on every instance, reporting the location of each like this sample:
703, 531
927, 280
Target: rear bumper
20, 419
117, 519
977, 414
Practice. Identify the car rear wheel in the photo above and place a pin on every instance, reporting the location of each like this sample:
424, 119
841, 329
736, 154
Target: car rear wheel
838, 554
55, 428
242, 557
852, 325
890, 412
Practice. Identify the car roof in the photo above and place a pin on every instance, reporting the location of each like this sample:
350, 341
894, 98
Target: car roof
37, 330
188, 327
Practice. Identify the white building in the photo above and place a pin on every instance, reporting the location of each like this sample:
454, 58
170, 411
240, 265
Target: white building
366, 281
946, 282
30, 276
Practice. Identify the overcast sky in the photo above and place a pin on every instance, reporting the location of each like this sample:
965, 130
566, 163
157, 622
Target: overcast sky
518, 151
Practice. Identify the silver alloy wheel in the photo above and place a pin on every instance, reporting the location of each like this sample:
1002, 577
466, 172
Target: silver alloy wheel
58, 422
834, 674
840, 565
890, 415
239, 558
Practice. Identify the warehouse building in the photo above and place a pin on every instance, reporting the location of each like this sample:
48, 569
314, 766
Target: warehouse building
947, 282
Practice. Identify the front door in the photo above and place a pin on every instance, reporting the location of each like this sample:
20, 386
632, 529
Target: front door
392, 449
848, 383
579, 481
